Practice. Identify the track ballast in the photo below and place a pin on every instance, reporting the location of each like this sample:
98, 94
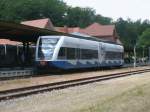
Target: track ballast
26, 91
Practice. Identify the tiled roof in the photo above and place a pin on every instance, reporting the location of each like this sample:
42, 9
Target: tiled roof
97, 29
94, 29
40, 23
68, 30
8, 42
106, 32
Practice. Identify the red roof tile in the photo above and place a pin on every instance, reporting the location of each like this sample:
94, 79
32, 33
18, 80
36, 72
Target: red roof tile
97, 29
107, 32
40, 23
65, 29
8, 42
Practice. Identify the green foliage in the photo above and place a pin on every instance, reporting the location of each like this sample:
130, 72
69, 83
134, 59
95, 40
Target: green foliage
62, 14
19, 10
56, 10
126, 32
144, 39
103, 20
81, 17
130, 31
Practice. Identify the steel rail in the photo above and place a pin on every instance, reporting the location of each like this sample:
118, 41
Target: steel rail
7, 75
25, 91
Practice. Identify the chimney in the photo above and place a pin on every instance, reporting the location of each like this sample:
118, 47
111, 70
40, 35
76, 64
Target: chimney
66, 29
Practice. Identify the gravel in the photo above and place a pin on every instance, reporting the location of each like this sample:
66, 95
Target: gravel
75, 99
5, 85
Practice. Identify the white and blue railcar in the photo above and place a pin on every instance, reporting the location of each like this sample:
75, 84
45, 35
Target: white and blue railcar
64, 52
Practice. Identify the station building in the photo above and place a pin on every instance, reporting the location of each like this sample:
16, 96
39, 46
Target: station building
12, 53
105, 32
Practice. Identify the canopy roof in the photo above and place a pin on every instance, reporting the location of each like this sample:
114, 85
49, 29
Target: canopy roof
23, 33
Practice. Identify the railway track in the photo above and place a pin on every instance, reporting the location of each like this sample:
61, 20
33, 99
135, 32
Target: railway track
21, 92
10, 74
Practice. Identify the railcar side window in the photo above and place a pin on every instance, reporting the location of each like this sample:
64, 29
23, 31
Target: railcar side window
67, 53
113, 55
75, 53
62, 53
78, 53
89, 54
71, 53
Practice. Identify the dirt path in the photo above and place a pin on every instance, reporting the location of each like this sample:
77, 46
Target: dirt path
128, 94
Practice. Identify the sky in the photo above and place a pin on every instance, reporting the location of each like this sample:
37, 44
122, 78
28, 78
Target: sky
134, 9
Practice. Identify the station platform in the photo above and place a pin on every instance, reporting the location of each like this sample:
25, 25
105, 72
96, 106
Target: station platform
16, 72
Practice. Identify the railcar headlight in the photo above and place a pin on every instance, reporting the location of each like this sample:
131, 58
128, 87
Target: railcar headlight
51, 46
43, 63
48, 51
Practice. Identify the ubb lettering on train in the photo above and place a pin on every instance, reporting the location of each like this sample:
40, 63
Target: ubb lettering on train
64, 52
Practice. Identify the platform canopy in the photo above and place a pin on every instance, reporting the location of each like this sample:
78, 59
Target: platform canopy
23, 33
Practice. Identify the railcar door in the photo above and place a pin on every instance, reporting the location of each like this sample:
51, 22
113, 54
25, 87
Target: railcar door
101, 53
77, 57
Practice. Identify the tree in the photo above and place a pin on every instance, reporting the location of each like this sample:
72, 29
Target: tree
57, 10
128, 31
144, 39
80, 17
62, 14
103, 20
83, 17
19, 10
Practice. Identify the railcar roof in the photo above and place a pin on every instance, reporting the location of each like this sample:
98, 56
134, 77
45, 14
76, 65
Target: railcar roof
87, 38
94, 39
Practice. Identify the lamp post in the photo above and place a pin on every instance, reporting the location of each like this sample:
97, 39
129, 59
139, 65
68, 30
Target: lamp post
143, 56
148, 56
134, 64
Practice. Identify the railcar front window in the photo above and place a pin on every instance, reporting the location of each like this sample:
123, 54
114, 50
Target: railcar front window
46, 48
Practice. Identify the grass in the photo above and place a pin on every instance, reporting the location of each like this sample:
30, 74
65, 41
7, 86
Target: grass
134, 100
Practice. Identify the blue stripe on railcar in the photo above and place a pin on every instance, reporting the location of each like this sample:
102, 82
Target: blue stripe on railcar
111, 64
68, 65
80, 64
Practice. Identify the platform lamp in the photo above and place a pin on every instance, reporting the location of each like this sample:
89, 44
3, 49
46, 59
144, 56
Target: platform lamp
136, 41
134, 51
149, 54
143, 54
